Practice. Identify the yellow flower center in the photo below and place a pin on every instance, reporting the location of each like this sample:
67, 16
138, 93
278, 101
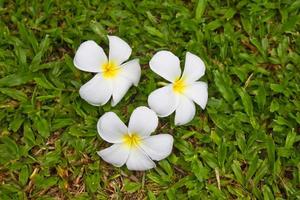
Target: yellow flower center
179, 86
132, 140
110, 69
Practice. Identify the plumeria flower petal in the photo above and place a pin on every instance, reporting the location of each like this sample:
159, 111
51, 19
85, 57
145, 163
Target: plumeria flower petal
164, 100
120, 87
96, 91
185, 111
197, 91
143, 122
166, 64
183, 91
113, 78
89, 57
115, 154
133, 146
138, 160
194, 68
157, 146
111, 128
132, 71
119, 50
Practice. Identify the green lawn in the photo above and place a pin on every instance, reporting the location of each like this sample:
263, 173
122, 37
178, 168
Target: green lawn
244, 145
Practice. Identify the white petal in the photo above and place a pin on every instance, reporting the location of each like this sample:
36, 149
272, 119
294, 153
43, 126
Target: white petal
120, 87
166, 64
163, 101
143, 121
158, 147
89, 57
111, 128
194, 67
197, 91
139, 161
185, 111
132, 71
115, 154
119, 50
96, 91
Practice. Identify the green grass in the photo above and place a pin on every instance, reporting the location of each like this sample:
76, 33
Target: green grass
244, 145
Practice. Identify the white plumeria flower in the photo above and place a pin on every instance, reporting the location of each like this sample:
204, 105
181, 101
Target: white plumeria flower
113, 78
183, 90
133, 145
